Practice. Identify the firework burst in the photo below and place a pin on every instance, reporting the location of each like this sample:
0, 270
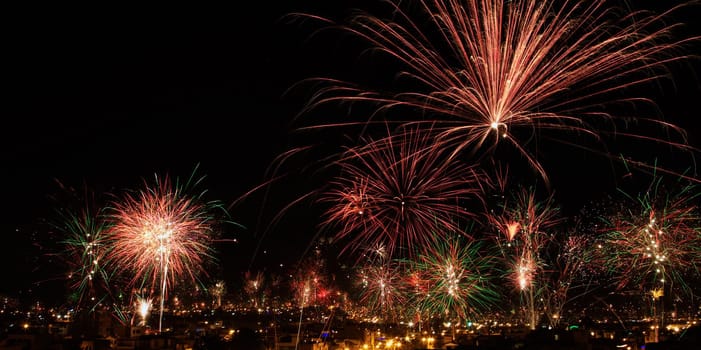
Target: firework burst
85, 249
382, 289
161, 236
524, 225
143, 308
653, 239
568, 276
253, 287
309, 283
397, 192
457, 275
218, 290
83, 226
494, 71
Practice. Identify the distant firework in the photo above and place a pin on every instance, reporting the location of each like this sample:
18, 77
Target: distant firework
525, 224
398, 192
84, 250
568, 274
143, 308
382, 289
484, 72
253, 286
309, 284
653, 238
217, 291
455, 277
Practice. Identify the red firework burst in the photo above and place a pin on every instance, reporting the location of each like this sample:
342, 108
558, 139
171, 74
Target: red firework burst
398, 192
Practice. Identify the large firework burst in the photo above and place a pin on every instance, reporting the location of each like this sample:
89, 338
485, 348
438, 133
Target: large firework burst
492, 71
397, 192
161, 235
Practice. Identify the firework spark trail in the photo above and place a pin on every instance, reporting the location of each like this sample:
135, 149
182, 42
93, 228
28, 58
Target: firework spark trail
398, 193
161, 235
492, 71
307, 281
304, 297
458, 276
524, 223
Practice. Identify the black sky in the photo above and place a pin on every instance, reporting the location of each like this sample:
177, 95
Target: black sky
104, 96
109, 94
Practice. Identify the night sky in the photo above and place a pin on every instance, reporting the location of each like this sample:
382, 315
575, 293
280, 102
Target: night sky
106, 96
